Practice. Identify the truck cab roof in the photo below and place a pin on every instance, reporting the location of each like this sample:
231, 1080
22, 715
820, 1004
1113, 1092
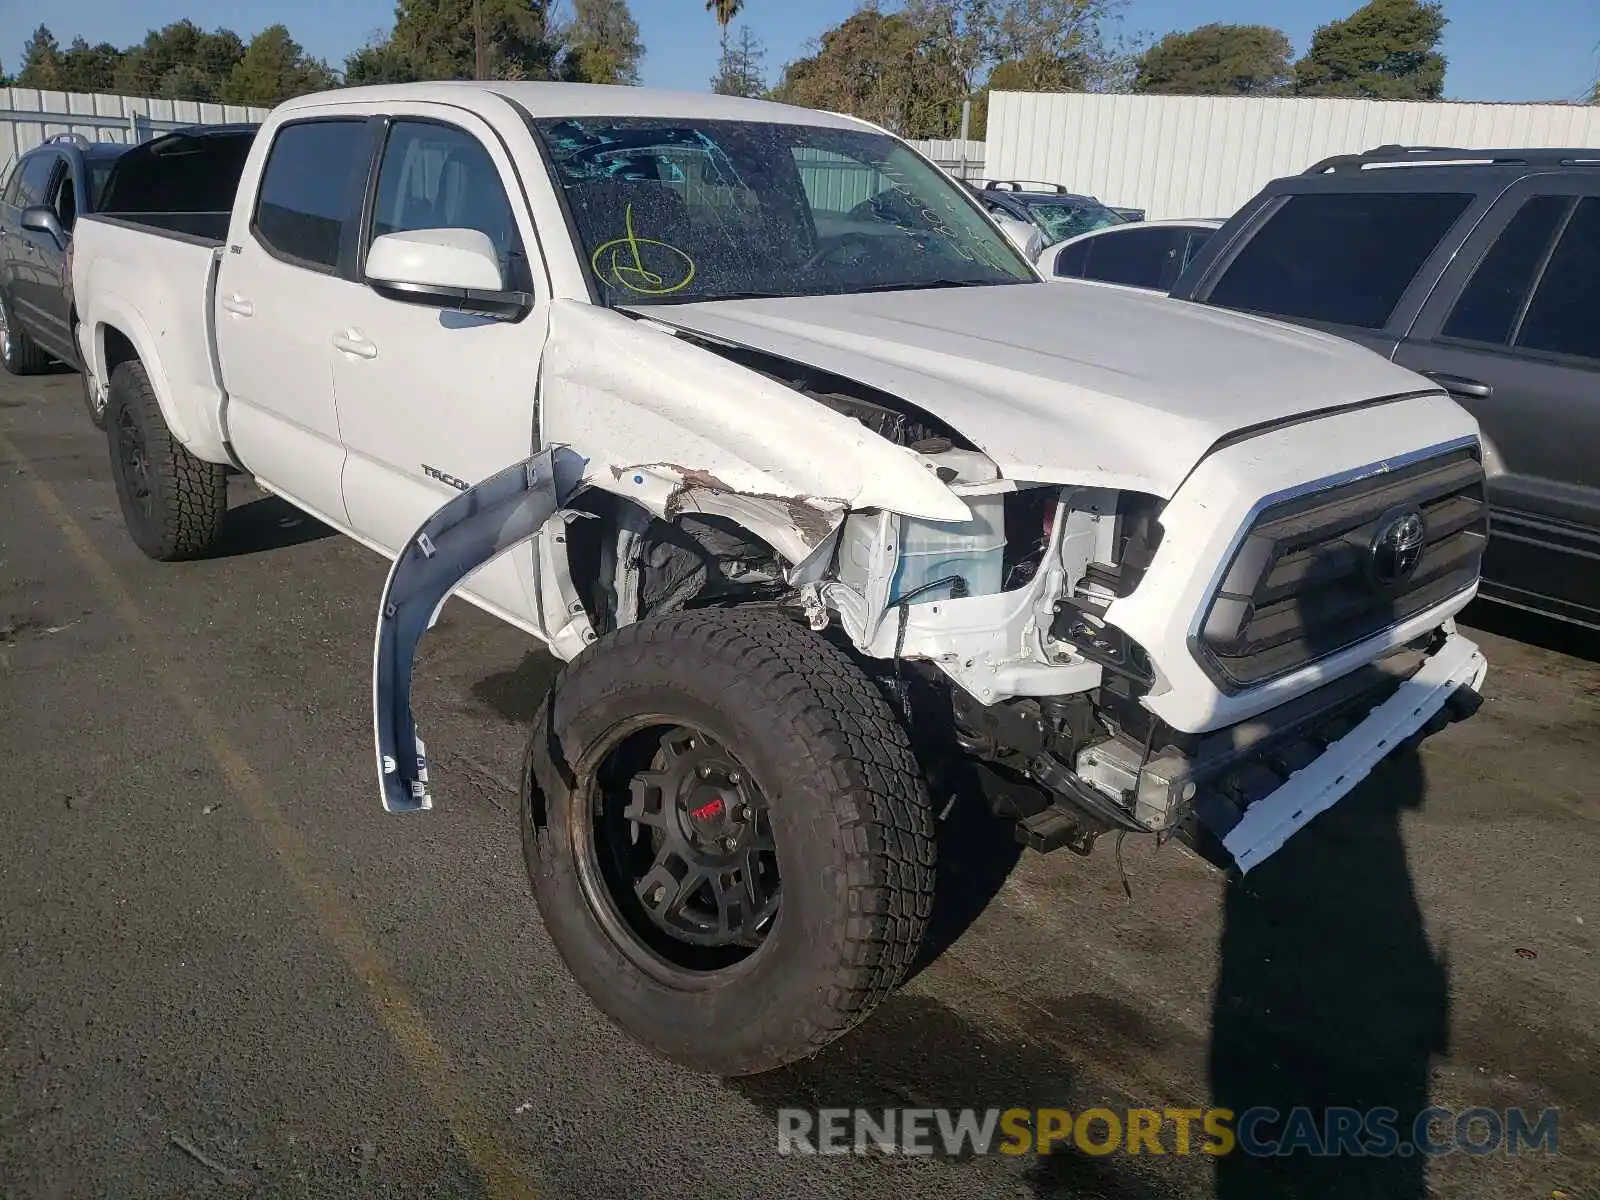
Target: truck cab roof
584, 100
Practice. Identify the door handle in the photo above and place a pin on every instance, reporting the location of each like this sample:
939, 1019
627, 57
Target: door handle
1460, 385
352, 341
238, 306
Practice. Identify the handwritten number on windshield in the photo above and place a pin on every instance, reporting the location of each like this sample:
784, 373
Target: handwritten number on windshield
621, 263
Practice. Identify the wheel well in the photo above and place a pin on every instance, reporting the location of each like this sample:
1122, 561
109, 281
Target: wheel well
695, 560
118, 350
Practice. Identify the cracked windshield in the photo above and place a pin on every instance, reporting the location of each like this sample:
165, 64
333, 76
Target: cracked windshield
677, 211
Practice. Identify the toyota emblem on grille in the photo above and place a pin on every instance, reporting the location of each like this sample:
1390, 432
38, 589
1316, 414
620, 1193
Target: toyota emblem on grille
1396, 548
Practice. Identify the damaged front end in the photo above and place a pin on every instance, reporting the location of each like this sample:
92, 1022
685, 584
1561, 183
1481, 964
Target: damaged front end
1068, 644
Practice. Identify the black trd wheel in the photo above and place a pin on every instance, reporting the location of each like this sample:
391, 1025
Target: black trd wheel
727, 836
18, 352
172, 502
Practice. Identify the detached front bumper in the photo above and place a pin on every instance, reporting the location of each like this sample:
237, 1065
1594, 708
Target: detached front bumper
1259, 783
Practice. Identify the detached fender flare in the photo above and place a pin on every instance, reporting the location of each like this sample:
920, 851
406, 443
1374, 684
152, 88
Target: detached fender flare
473, 529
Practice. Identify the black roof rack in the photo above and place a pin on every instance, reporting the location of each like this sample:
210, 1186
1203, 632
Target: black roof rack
1390, 156
1025, 185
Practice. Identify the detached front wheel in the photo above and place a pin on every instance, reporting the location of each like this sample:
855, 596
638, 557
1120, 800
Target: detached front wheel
728, 837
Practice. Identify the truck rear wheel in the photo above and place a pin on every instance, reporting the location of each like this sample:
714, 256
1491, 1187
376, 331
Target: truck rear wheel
172, 502
19, 353
728, 837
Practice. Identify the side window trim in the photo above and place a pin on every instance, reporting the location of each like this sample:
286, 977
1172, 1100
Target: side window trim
344, 268
1539, 274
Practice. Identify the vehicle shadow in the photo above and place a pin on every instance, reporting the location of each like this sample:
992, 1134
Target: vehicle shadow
976, 853
1560, 637
265, 524
1328, 995
920, 1054
515, 695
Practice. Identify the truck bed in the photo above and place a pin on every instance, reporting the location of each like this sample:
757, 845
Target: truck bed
152, 277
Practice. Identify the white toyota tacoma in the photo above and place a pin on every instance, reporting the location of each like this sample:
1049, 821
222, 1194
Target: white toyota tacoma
837, 513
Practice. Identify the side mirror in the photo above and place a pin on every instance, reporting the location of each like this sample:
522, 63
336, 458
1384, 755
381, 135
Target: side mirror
446, 268
40, 219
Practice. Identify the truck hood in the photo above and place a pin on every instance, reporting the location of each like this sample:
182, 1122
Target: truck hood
1065, 383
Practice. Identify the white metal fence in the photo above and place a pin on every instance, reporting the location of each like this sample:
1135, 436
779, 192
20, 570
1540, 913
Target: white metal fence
28, 116
964, 160
1198, 156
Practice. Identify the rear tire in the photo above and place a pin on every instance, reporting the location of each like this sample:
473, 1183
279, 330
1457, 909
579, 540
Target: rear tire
777, 744
172, 502
19, 354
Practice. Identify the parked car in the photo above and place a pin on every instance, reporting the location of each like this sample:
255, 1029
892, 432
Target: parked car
46, 191
1149, 255
1049, 208
783, 478
1481, 270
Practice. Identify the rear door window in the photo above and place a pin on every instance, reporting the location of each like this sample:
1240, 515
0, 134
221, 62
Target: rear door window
1073, 260
1493, 299
1144, 258
311, 191
1340, 258
1562, 317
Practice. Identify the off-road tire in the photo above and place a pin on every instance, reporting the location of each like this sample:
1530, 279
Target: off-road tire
21, 355
850, 816
188, 498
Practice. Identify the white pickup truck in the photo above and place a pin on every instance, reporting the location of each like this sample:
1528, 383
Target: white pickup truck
756, 419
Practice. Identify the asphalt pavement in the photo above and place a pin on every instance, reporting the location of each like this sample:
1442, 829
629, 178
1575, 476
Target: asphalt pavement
224, 970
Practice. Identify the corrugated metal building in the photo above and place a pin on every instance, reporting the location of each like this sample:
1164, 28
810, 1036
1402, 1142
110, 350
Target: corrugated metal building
28, 116
1203, 156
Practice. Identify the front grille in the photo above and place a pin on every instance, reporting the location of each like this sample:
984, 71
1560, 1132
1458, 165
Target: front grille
1303, 586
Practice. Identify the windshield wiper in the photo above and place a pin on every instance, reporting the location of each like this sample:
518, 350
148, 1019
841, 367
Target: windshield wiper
926, 284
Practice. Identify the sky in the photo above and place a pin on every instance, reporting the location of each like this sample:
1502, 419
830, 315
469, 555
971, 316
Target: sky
1532, 50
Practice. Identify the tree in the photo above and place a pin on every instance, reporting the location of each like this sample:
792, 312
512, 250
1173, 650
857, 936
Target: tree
741, 71
1052, 45
871, 66
380, 61
1385, 50
274, 68
41, 61
86, 68
433, 39
724, 11
912, 69
602, 43
179, 61
1217, 60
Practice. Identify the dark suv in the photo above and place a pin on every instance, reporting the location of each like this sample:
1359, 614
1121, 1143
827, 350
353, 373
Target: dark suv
1481, 270
45, 192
